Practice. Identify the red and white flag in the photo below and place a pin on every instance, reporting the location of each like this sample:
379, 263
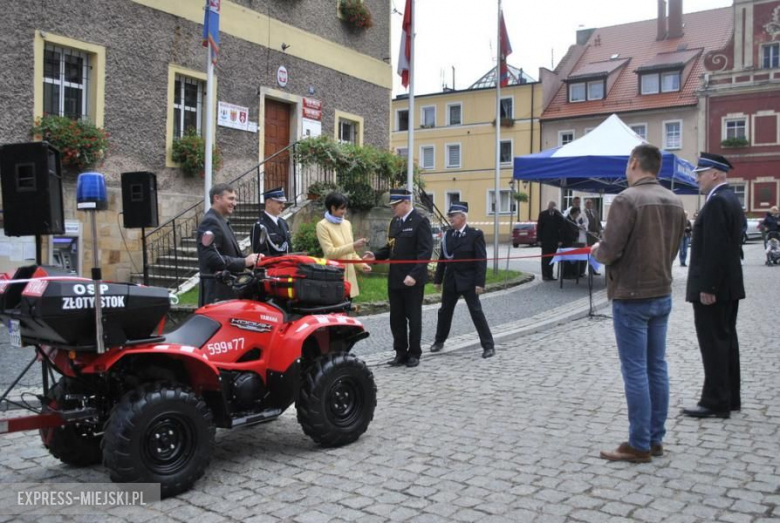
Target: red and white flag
506, 50
405, 55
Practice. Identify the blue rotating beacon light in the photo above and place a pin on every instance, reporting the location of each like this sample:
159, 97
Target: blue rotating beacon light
91, 197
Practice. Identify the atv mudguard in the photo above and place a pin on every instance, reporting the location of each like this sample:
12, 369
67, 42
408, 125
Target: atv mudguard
203, 374
324, 328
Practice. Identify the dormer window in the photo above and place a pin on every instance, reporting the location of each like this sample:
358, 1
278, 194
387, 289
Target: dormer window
654, 83
585, 91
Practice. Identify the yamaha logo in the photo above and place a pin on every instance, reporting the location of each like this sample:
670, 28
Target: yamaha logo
250, 325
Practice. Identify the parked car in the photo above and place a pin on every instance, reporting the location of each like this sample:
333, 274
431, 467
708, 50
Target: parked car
753, 232
524, 233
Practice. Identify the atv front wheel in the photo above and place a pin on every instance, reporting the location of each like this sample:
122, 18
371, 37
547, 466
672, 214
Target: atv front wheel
73, 444
159, 433
337, 400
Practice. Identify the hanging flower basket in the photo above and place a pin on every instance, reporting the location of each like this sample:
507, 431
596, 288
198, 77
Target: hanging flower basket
354, 13
189, 152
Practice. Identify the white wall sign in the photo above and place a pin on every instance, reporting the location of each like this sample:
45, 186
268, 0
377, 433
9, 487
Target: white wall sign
281, 76
233, 116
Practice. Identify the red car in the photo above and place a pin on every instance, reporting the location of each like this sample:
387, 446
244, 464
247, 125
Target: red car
524, 233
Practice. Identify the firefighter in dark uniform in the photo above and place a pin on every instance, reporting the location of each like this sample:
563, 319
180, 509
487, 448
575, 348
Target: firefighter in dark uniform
465, 279
408, 238
278, 238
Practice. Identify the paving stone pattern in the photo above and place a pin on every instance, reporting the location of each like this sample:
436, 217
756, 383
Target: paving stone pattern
514, 438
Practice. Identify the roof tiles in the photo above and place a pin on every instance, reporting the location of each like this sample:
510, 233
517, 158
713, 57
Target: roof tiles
706, 30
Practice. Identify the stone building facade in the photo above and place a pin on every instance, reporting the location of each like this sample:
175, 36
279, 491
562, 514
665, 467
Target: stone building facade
141, 65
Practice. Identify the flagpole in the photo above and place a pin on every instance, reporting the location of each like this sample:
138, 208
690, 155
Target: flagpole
209, 124
410, 145
497, 193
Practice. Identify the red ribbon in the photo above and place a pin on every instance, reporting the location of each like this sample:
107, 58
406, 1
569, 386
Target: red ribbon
573, 252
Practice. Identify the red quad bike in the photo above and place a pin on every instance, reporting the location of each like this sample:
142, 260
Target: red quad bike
148, 407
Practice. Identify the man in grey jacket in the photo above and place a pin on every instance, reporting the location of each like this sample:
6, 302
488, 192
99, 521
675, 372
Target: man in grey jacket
646, 223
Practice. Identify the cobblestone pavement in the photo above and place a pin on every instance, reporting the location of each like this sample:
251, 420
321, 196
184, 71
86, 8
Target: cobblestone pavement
514, 438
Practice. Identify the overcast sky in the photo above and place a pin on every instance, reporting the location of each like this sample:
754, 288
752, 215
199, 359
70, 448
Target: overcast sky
462, 33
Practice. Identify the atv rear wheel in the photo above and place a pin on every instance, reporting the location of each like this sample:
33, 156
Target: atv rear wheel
159, 433
337, 400
73, 444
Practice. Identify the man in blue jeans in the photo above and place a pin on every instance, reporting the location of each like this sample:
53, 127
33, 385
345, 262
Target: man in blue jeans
646, 224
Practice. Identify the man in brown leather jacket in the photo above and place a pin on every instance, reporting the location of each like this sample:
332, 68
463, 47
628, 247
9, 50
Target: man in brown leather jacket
646, 223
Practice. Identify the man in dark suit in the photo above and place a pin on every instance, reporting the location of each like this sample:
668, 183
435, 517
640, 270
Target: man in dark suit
465, 279
278, 237
715, 287
408, 238
223, 252
548, 232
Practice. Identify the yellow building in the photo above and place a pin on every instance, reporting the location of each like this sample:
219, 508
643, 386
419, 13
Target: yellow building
454, 145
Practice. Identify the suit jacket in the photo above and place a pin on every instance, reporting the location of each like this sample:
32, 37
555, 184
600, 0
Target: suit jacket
279, 240
223, 254
715, 266
407, 240
462, 276
548, 227
336, 241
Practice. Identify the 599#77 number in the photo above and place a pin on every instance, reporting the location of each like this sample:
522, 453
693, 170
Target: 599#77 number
223, 347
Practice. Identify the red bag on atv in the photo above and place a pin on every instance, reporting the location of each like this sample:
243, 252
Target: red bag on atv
305, 280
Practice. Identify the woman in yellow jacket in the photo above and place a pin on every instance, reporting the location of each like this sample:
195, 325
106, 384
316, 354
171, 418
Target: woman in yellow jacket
335, 236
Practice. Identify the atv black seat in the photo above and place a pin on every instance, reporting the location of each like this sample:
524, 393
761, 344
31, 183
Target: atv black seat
196, 331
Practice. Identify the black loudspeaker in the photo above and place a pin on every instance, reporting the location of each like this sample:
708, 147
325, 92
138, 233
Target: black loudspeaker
139, 199
31, 177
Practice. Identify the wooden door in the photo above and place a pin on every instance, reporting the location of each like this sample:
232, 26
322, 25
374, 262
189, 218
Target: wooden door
277, 137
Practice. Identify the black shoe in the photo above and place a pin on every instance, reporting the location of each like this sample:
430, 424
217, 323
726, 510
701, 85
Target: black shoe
683, 265
488, 353
596, 273
412, 361
436, 347
704, 412
400, 359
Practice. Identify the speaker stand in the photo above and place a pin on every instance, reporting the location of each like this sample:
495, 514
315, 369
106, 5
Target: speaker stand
38, 250
144, 259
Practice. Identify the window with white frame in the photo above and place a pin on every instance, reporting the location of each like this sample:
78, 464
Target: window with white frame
506, 151
66, 82
507, 108
427, 157
565, 137
402, 120
654, 83
735, 128
506, 204
403, 152
673, 135
428, 116
451, 197
596, 90
577, 92
770, 56
188, 104
453, 156
640, 129
670, 82
348, 131
568, 198
454, 114
739, 192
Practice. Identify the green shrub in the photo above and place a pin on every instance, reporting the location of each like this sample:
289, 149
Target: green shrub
362, 197
735, 142
189, 152
305, 240
81, 144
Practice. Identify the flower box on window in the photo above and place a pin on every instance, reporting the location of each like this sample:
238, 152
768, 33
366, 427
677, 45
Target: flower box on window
354, 13
735, 142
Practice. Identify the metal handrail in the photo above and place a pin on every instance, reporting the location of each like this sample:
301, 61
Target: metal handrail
201, 202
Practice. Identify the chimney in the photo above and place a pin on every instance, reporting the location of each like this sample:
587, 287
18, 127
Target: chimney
675, 19
661, 20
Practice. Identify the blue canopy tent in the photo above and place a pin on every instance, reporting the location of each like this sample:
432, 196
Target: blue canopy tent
597, 163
